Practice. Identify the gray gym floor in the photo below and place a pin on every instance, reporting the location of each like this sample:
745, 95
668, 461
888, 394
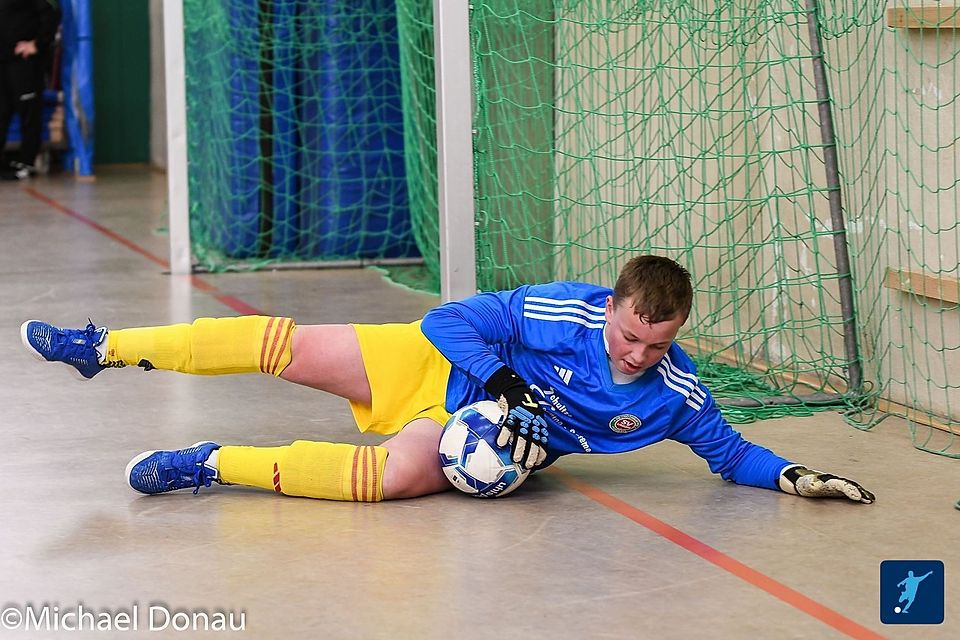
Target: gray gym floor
642, 545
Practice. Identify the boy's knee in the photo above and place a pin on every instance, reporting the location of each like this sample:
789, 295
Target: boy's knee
408, 475
412, 468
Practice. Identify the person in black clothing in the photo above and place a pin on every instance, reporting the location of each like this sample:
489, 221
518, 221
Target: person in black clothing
27, 29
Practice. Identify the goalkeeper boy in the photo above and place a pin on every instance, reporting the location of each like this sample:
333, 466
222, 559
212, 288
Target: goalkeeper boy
577, 368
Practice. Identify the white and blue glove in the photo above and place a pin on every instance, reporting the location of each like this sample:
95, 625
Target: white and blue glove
799, 480
524, 426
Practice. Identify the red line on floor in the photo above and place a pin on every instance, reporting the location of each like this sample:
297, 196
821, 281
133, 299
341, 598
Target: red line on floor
720, 559
230, 301
116, 237
691, 544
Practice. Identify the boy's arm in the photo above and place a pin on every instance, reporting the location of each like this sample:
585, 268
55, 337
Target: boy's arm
710, 436
727, 452
463, 332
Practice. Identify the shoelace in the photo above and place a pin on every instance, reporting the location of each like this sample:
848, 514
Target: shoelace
69, 347
202, 477
178, 469
90, 332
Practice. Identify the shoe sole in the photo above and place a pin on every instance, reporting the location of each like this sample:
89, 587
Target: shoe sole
146, 454
39, 356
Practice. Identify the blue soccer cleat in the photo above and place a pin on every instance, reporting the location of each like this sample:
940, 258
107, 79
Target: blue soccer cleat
161, 471
75, 347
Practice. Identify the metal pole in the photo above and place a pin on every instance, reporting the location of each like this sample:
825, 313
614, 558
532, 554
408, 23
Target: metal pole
827, 134
811, 400
451, 38
177, 189
360, 263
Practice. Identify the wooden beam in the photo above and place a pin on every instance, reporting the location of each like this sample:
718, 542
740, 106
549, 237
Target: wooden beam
897, 409
924, 17
942, 288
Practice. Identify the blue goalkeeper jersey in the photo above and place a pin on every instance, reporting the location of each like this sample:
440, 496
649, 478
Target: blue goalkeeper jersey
552, 336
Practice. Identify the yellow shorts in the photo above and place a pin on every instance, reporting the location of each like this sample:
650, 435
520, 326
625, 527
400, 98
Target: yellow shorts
408, 377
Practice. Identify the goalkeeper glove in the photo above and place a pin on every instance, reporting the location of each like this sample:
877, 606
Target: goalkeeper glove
524, 426
801, 481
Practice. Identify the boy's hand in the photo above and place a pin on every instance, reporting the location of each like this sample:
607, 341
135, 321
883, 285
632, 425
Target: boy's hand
524, 425
805, 482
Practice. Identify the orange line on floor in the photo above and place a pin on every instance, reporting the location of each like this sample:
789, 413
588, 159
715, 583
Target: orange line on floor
720, 559
230, 301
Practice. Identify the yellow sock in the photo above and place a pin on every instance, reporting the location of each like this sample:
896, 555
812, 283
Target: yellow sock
251, 466
310, 469
209, 346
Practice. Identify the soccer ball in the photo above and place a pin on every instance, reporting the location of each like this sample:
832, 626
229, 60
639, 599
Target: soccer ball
469, 454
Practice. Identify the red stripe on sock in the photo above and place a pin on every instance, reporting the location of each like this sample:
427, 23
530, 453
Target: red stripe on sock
283, 331
263, 346
366, 474
353, 476
273, 344
373, 483
276, 478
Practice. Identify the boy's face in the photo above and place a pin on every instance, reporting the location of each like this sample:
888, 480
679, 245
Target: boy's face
635, 346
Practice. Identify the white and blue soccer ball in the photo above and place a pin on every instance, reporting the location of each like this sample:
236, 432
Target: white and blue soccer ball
469, 454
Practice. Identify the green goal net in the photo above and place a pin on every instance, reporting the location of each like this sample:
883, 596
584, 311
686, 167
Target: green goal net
607, 128
295, 132
895, 75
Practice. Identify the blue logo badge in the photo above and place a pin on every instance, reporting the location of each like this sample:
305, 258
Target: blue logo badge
911, 592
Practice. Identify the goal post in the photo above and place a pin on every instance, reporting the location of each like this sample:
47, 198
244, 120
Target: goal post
178, 189
454, 104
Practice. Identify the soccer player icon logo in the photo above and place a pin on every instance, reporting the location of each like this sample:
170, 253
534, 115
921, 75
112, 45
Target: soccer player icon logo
904, 600
910, 584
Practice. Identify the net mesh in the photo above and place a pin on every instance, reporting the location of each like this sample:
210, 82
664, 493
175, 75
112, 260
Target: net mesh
896, 96
690, 128
295, 132
608, 128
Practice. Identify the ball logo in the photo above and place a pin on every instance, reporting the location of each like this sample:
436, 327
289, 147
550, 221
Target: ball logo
625, 423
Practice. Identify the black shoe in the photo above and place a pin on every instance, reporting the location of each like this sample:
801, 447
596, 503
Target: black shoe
16, 171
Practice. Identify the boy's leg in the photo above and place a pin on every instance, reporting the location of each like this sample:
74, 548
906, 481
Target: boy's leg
324, 357
207, 346
413, 467
406, 466
327, 357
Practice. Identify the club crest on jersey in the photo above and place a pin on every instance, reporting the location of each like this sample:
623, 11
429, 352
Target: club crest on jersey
625, 423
